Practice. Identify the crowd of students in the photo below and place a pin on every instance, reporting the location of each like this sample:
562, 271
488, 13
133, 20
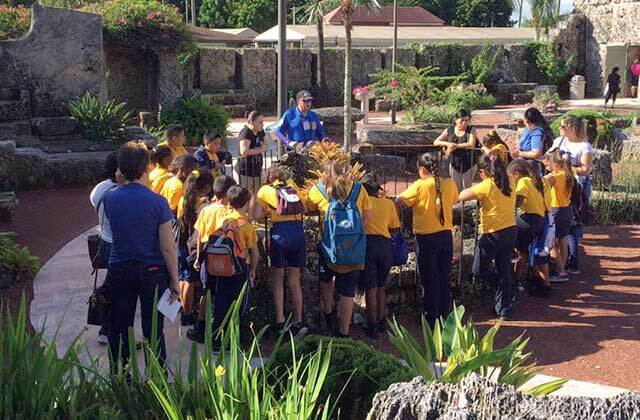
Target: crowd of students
170, 220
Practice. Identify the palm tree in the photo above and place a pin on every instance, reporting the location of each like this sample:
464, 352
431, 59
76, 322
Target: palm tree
347, 8
543, 15
315, 12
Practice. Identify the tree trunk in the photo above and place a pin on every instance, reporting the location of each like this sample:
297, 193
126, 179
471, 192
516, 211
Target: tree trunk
520, 13
347, 84
322, 78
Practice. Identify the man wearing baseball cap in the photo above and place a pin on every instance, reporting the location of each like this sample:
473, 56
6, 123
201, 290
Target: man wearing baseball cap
300, 126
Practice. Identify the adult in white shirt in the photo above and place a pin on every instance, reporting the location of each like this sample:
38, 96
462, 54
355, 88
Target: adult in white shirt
97, 198
575, 136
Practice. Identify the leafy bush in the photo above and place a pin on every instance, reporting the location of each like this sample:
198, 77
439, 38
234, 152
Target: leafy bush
143, 24
424, 113
441, 106
460, 346
483, 64
14, 21
616, 208
409, 85
605, 138
444, 82
549, 101
197, 115
355, 369
17, 265
553, 69
99, 121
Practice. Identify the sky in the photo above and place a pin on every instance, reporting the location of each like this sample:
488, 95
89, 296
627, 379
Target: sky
565, 7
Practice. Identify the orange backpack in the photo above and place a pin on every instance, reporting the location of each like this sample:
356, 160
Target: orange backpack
225, 248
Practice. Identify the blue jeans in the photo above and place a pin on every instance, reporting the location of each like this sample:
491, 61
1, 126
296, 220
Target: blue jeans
576, 233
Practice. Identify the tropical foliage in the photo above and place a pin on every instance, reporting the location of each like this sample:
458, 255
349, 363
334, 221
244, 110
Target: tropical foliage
98, 120
483, 13
605, 134
14, 21
483, 64
259, 15
16, 263
453, 349
552, 69
197, 115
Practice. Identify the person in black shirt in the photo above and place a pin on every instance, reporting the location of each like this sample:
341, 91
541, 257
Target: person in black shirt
613, 87
458, 142
252, 146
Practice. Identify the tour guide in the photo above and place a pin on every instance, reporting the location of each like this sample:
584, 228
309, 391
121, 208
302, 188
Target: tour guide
300, 126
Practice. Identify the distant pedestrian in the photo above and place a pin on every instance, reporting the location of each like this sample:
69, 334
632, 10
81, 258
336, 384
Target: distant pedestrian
613, 87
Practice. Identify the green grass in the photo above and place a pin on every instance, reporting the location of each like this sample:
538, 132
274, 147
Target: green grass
622, 204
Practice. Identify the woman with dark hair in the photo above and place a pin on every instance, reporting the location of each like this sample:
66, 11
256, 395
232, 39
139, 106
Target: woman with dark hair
496, 195
613, 87
536, 138
252, 147
456, 139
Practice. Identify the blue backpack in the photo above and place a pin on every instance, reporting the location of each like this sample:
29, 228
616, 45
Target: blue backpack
343, 237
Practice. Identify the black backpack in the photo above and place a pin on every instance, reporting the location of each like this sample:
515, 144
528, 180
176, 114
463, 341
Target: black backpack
583, 213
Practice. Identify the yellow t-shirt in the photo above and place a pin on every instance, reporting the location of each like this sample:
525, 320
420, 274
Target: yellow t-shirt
533, 202
501, 151
421, 196
210, 219
181, 205
383, 217
547, 194
560, 196
158, 182
247, 232
267, 197
172, 190
317, 201
498, 210
175, 151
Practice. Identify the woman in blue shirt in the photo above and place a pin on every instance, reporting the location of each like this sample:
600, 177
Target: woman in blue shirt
535, 137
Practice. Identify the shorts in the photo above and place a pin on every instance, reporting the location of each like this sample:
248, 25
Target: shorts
529, 227
186, 272
286, 246
562, 217
378, 262
346, 283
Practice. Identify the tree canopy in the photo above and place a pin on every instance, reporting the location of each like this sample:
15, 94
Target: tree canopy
259, 15
465, 12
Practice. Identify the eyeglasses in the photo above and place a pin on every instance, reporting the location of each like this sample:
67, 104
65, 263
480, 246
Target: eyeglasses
307, 101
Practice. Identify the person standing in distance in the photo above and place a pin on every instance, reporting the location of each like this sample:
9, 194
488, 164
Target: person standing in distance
299, 127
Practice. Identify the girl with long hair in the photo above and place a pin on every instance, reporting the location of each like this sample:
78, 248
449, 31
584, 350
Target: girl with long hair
537, 137
431, 199
497, 197
493, 143
161, 158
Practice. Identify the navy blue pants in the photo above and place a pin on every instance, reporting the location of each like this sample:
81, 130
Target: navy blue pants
129, 282
227, 291
497, 246
433, 254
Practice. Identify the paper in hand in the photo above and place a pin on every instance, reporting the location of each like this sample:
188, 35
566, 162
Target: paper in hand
167, 308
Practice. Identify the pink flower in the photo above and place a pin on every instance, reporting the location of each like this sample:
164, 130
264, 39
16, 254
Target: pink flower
394, 84
152, 15
121, 21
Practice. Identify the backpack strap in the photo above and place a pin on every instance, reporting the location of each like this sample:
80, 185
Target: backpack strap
323, 190
354, 194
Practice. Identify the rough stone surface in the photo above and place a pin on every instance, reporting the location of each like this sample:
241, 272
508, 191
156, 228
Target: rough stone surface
54, 126
335, 115
170, 78
259, 76
217, 69
504, 92
385, 165
405, 57
364, 63
601, 169
476, 397
131, 76
299, 69
133, 132
378, 135
60, 57
631, 150
7, 148
8, 206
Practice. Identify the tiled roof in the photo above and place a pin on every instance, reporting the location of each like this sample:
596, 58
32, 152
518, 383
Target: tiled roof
407, 16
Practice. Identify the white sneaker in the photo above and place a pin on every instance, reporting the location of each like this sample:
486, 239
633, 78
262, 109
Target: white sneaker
560, 278
102, 339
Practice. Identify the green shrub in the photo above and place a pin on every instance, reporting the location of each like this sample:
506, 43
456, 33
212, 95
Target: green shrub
552, 69
444, 82
144, 24
549, 101
483, 64
409, 85
356, 369
197, 115
441, 106
17, 265
424, 113
605, 138
14, 21
616, 208
99, 121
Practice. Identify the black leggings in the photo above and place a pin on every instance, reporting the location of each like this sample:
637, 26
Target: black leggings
497, 246
434, 253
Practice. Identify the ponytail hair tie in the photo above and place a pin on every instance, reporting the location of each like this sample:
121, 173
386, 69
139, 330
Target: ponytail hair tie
196, 174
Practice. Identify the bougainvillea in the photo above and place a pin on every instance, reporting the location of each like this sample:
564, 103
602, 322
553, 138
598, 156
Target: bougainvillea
14, 21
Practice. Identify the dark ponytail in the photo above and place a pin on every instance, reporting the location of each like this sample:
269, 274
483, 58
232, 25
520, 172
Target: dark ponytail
529, 169
195, 186
431, 163
494, 166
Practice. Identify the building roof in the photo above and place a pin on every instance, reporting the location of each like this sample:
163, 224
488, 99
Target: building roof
216, 36
238, 31
407, 16
382, 36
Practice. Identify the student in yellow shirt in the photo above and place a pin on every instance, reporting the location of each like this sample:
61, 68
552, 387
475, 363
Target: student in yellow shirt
161, 160
431, 199
497, 197
173, 188
530, 222
286, 243
379, 259
174, 138
206, 224
228, 288
561, 180
338, 185
493, 144
196, 187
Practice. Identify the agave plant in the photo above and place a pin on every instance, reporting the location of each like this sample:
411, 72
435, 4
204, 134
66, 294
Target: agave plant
99, 121
452, 350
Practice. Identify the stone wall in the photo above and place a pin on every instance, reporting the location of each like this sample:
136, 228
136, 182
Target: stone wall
131, 76
60, 58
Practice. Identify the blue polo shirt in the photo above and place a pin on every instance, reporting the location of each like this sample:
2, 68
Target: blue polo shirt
531, 140
293, 126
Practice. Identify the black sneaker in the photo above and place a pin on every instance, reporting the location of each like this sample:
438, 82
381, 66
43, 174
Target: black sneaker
382, 326
572, 268
187, 319
279, 327
299, 329
372, 331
